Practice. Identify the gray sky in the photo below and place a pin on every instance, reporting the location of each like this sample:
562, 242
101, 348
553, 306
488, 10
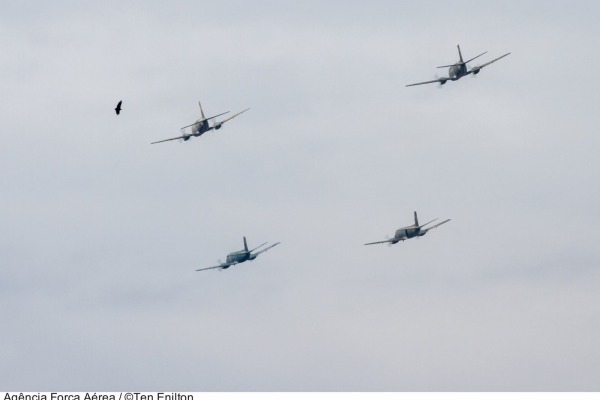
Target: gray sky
101, 232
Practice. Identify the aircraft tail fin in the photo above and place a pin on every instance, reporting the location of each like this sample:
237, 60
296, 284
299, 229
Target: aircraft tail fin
416, 219
459, 53
201, 111
245, 244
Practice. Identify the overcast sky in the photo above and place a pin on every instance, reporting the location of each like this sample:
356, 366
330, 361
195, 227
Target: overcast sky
101, 232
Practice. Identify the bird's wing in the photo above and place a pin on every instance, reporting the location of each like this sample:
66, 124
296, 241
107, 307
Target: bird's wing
440, 80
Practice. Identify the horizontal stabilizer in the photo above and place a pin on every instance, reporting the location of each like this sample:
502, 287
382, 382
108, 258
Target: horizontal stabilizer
468, 61
205, 119
219, 123
448, 66
257, 247
436, 225
461, 62
267, 248
427, 223
494, 60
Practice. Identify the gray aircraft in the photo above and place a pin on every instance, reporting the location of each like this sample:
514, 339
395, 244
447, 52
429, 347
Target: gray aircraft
409, 232
459, 69
202, 125
240, 256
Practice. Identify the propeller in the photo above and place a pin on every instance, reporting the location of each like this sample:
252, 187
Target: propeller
180, 140
440, 84
387, 237
215, 124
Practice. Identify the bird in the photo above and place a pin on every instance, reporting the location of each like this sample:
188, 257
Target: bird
118, 109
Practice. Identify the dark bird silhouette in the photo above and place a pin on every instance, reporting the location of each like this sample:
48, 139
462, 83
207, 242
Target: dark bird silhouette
118, 109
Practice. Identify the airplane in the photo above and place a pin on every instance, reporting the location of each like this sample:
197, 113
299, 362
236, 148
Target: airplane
202, 125
409, 232
240, 256
459, 69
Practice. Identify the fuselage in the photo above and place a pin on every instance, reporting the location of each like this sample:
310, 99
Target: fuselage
200, 127
240, 256
408, 232
456, 72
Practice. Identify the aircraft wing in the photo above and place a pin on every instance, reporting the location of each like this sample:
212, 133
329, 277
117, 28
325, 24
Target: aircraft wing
383, 241
175, 138
267, 248
222, 266
468, 61
205, 119
440, 80
436, 225
427, 223
227, 119
486, 64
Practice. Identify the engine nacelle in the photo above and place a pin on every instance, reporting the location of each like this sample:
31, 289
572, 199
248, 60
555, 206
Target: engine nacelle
476, 71
218, 126
443, 81
185, 139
